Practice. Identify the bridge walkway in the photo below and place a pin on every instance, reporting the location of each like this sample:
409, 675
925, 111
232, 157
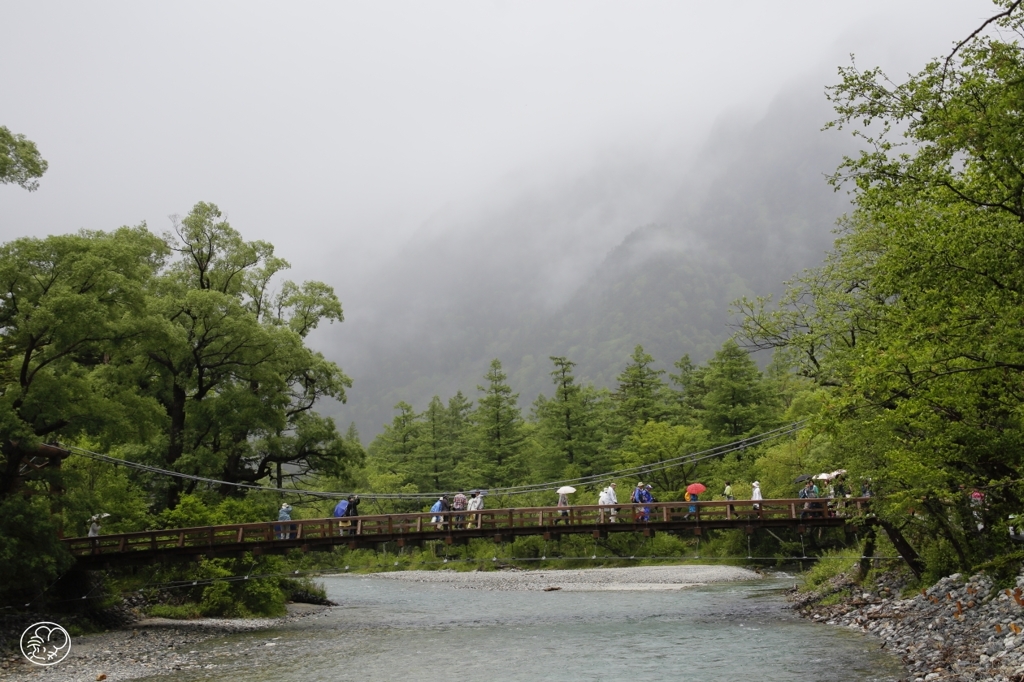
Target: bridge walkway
500, 525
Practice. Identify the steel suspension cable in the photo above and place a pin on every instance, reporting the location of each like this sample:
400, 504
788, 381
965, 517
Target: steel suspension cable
643, 469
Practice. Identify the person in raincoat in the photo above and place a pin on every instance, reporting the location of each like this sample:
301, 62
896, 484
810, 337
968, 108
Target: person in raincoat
439, 508
608, 498
693, 498
285, 514
755, 494
340, 512
563, 511
353, 506
476, 503
645, 497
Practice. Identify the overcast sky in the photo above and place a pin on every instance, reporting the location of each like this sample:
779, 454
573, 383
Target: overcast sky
336, 129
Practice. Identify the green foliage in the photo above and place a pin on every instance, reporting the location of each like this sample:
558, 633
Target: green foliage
830, 564
657, 441
913, 322
20, 161
31, 556
93, 487
497, 433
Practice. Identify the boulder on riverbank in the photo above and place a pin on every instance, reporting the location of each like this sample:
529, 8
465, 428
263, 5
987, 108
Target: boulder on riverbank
958, 629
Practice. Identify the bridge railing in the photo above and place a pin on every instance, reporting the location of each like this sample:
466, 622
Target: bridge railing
484, 521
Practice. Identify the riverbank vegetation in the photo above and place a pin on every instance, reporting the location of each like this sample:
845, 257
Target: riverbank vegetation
899, 360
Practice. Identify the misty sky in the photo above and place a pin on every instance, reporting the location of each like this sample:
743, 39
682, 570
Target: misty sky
336, 129
347, 133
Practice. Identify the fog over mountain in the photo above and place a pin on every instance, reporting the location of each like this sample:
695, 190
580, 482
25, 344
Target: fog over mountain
649, 251
476, 179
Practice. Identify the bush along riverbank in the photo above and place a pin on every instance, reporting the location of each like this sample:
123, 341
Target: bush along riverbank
960, 628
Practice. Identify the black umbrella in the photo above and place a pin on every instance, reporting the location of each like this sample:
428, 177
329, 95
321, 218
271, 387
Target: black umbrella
802, 477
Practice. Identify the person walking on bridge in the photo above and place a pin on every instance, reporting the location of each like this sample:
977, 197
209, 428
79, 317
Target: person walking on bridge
563, 509
476, 503
607, 498
645, 496
285, 514
340, 512
459, 503
755, 494
439, 509
635, 499
353, 506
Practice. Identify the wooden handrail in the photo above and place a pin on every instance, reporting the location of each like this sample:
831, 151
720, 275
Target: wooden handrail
735, 511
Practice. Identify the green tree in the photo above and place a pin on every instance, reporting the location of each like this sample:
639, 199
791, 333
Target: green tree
737, 401
435, 448
497, 436
394, 449
568, 422
229, 365
71, 309
655, 442
914, 319
641, 396
690, 392
20, 161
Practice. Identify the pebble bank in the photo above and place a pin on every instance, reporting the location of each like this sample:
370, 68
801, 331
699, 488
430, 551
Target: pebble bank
959, 629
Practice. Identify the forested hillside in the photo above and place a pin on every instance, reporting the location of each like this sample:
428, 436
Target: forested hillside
523, 284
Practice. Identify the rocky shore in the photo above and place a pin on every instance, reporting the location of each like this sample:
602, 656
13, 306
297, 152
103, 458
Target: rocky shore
962, 628
150, 647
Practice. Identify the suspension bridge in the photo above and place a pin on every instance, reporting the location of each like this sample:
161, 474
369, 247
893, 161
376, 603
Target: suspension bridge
454, 528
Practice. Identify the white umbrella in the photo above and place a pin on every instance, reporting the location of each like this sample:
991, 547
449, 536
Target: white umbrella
823, 477
838, 472
565, 490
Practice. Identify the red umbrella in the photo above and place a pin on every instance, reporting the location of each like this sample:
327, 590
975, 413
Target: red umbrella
696, 488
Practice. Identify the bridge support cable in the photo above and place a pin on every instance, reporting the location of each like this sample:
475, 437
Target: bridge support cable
642, 470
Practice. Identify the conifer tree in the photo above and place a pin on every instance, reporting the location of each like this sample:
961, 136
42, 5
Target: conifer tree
738, 401
568, 423
394, 450
434, 448
641, 396
497, 431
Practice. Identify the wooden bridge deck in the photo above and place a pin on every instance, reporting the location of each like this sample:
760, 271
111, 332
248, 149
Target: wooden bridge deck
501, 525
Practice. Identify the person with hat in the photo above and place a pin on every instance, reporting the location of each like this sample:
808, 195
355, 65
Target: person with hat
645, 497
476, 503
439, 509
755, 494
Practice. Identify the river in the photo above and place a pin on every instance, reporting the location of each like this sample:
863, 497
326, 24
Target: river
397, 629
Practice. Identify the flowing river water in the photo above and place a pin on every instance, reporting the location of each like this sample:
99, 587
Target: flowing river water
403, 629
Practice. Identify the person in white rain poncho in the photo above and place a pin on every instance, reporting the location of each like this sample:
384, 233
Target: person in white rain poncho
607, 498
756, 494
476, 503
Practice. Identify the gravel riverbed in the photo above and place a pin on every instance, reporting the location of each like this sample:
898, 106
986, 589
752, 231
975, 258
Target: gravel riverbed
150, 647
157, 646
578, 580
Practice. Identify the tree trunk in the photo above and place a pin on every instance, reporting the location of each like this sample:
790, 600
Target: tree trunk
903, 547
